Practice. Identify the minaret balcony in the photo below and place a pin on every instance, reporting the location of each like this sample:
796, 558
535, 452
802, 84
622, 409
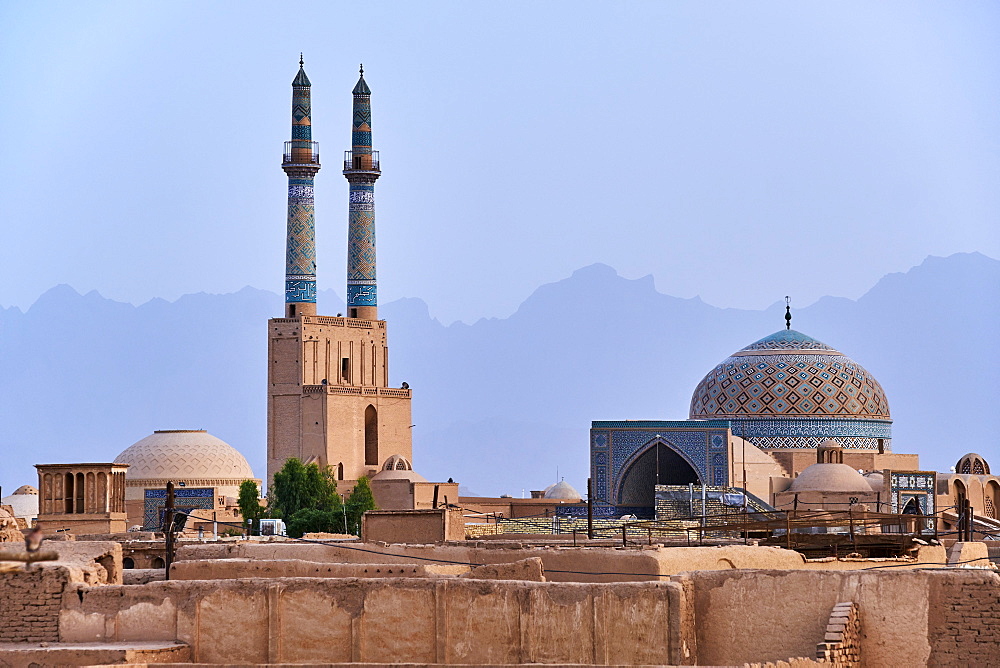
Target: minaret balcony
298, 152
361, 162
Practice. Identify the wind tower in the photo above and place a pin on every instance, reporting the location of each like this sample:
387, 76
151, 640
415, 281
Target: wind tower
329, 399
361, 168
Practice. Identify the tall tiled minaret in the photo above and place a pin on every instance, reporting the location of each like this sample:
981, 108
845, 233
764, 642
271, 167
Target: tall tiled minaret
362, 170
328, 396
301, 162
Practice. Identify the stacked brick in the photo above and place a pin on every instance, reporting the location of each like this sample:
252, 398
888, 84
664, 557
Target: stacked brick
967, 629
798, 662
30, 601
841, 646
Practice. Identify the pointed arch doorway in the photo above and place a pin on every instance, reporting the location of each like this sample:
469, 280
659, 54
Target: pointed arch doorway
657, 464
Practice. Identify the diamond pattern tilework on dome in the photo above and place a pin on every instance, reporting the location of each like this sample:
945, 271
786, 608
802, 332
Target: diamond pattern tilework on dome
793, 385
788, 339
184, 455
789, 374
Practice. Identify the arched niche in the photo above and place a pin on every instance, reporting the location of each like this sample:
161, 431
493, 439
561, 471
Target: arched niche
657, 464
371, 436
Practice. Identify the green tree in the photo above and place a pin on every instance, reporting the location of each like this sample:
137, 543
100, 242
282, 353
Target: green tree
288, 492
305, 496
309, 520
360, 500
249, 503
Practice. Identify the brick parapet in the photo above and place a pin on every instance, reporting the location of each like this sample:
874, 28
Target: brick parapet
966, 630
30, 603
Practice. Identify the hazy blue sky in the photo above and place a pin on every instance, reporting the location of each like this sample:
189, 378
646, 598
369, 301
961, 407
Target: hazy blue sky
737, 151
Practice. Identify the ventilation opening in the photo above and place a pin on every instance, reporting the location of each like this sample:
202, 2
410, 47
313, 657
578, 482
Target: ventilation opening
291, 311
881, 446
371, 436
79, 508
68, 493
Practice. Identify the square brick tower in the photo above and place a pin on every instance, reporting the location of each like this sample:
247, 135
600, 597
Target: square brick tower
329, 399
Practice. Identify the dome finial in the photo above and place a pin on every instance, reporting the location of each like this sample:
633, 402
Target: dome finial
301, 61
361, 69
788, 313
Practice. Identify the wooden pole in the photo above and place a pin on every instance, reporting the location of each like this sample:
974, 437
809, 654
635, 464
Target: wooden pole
28, 557
590, 508
854, 539
168, 521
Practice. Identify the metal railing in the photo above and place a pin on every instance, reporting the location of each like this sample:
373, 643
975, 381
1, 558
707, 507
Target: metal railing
361, 162
298, 152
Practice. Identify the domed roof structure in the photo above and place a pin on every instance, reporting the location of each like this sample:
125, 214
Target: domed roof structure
24, 504
877, 480
830, 478
789, 374
974, 464
562, 490
398, 467
25, 489
178, 454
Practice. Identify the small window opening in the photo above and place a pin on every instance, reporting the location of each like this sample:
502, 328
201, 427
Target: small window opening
345, 369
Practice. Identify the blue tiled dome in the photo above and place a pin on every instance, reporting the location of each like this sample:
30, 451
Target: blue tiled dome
789, 374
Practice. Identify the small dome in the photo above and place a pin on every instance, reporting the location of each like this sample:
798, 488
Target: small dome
179, 454
877, 480
24, 505
398, 467
25, 489
563, 491
397, 463
973, 464
830, 478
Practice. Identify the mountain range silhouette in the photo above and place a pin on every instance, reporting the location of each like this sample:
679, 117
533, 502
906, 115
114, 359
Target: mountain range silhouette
501, 405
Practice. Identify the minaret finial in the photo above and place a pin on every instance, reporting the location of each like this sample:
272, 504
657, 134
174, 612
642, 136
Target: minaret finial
301, 62
361, 68
788, 312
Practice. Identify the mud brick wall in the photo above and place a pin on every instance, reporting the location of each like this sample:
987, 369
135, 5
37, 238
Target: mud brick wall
965, 629
30, 602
